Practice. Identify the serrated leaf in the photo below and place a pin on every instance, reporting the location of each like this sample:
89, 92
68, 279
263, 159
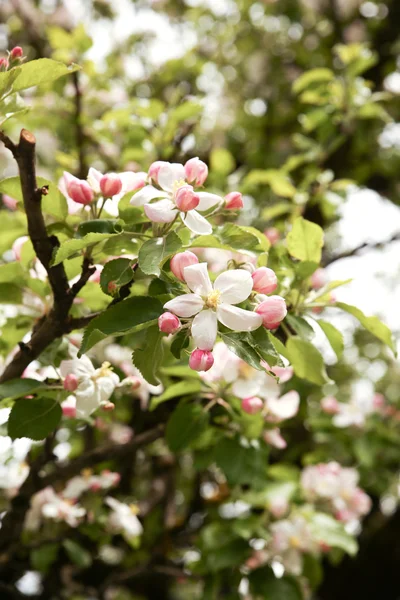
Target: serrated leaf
120, 319
242, 349
260, 340
43, 70
177, 390
307, 361
371, 324
335, 338
17, 388
180, 342
305, 240
53, 204
186, 424
231, 236
117, 272
241, 464
7, 79
301, 327
71, 247
156, 251
149, 357
34, 418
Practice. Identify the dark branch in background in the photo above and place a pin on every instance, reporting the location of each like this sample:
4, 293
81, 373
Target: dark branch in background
355, 251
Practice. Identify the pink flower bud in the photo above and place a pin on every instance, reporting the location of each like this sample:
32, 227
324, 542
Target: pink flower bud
252, 405
273, 310
278, 507
16, 52
68, 410
70, 382
9, 202
135, 382
155, 168
201, 360
186, 199
80, 191
108, 406
180, 261
196, 171
110, 185
330, 405
168, 323
318, 279
379, 401
95, 487
3, 64
234, 201
17, 246
264, 280
273, 235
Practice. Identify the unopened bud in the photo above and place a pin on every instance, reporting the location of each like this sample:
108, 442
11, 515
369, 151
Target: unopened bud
201, 360
80, 191
252, 405
318, 279
16, 52
108, 406
3, 64
273, 235
186, 199
110, 185
168, 323
234, 201
155, 168
196, 171
180, 261
70, 382
273, 310
68, 410
330, 405
9, 202
264, 280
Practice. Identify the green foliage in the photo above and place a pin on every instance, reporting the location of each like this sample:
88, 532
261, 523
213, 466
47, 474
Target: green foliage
156, 251
264, 584
53, 203
371, 324
148, 359
305, 240
115, 274
187, 423
307, 361
34, 418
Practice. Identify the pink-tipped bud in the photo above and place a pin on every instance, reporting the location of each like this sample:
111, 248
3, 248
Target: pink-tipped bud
68, 411
201, 360
17, 246
135, 382
80, 191
278, 507
155, 168
9, 202
196, 171
318, 279
186, 199
168, 323
110, 185
16, 52
273, 310
234, 201
264, 280
252, 405
330, 405
95, 487
108, 406
379, 401
3, 64
272, 234
70, 382
180, 261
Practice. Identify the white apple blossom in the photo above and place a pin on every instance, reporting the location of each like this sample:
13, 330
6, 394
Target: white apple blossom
123, 519
87, 481
290, 539
95, 386
171, 177
59, 509
210, 303
354, 412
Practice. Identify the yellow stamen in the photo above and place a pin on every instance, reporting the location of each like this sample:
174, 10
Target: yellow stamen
212, 300
134, 509
104, 371
177, 184
295, 541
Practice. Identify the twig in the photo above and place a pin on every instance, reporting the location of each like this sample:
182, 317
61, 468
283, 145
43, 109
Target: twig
364, 246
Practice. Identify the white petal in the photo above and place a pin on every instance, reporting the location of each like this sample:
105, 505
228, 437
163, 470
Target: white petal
169, 174
208, 200
93, 179
196, 223
186, 305
235, 286
87, 399
131, 181
204, 329
105, 387
238, 319
163, 211
243, 388
145, 195
286, 406
198, 279
81, 367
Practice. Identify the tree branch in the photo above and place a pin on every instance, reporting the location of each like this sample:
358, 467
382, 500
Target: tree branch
357, 249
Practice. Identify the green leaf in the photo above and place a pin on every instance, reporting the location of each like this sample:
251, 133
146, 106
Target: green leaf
34, 418
10, 294
311, 77
98, 226
301, 327
7, 79
180, 342
13, 272
231, 236
71, 247
305, 240
277, 180
177, 390
120, 319
43, 70
264, 584
53, 204
79, 556
221, 161
260, 340
273, 490
154, 252
335, 338
241, 464
371, 324
148, 359
238, 345
117, 272
328, 531
186, 424
44, 556
307, 361
17, 388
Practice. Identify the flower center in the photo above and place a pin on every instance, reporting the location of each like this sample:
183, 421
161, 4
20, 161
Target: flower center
104, 371
295, 541
134, 509
246, 371
213, 299
177, 184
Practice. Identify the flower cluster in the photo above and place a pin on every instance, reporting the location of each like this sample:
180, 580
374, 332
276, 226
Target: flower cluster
335, 487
